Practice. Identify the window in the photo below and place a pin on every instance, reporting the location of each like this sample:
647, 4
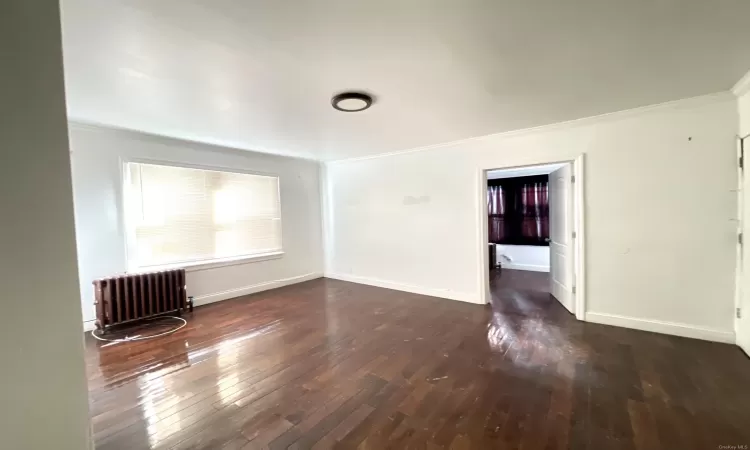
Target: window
518, 210
177, 215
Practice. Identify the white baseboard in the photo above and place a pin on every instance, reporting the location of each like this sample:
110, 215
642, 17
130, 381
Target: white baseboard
199, 300
442, 293
89, 325
529, 267
658, 326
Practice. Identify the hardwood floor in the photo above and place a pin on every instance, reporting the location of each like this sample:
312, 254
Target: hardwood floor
330, 364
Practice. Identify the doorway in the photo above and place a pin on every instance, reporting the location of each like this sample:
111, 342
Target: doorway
532, 232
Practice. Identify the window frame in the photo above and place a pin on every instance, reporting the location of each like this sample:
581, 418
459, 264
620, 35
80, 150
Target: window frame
190, 266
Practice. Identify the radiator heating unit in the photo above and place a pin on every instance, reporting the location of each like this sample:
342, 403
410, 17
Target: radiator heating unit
125, 298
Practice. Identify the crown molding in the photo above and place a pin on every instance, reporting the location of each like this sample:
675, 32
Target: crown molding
81, 124
740, 88
691, 102
743, 86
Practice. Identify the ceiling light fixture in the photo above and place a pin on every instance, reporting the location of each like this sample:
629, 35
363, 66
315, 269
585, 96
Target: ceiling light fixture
351, 101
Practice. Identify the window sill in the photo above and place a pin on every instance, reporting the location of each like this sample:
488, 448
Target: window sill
196, 266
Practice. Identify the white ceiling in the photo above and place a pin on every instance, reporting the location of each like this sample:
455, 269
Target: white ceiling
260, 74
544, 169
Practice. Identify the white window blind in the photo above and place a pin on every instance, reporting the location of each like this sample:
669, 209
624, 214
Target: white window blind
182, 215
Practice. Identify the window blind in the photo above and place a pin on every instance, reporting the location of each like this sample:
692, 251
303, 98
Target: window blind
180, 215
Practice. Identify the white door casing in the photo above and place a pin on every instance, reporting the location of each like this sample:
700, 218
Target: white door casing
562, 245
742, 324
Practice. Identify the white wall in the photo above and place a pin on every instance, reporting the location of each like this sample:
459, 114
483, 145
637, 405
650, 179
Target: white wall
523, 257
97, 155
43, 395
660, 205
744, 112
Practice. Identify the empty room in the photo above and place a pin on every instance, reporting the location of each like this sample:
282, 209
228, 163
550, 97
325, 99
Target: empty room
375, 225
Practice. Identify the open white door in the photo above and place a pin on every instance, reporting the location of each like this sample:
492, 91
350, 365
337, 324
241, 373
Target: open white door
742, 324
562, 248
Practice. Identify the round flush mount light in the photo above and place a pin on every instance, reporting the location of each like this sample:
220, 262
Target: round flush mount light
351, 101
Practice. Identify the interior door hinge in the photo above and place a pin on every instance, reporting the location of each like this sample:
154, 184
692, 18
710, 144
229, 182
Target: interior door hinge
739, 313
572, 178
574, 291
741, 162
739, 238
574, 235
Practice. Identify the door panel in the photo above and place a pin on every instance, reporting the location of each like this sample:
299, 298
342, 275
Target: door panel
742, 324
561, 240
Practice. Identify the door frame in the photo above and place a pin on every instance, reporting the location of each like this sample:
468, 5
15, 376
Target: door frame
740, 262
579, 228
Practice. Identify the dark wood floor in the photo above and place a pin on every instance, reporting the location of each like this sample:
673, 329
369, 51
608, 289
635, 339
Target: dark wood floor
330, 364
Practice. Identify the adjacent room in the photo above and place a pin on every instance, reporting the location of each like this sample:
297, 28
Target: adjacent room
375, 225
527, 222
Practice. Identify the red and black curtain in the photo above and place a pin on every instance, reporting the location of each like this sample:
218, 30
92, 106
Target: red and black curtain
518, 210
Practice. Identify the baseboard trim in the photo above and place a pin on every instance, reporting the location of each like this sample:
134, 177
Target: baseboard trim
529, 267
441, 293
89, 325
200, 300
658, 326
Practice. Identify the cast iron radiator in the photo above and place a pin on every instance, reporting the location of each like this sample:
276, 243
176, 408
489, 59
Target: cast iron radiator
124, 298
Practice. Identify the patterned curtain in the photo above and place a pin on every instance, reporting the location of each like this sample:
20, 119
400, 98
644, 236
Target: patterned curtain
535, 211
496, 213
518, 211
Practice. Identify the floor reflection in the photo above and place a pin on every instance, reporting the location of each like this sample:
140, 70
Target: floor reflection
328, 363
526, 317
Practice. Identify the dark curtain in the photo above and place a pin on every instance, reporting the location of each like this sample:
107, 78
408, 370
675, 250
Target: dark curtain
518, 211
535, 211
496, 213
